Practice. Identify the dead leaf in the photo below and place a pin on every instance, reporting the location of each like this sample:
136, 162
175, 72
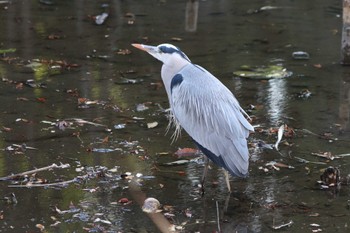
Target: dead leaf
6, 129
187, 152
53, 37
176, 39
279, 136
123, 52
40, 226
152, 125
124, 201
22, 99
105, 140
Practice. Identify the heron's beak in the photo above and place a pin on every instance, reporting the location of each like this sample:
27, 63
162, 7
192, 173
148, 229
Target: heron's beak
147, 48
139, 46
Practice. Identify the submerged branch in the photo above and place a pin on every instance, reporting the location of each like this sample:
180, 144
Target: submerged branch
62, 183
52, 166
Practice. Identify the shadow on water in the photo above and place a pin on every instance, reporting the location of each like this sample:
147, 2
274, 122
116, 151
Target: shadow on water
66, 69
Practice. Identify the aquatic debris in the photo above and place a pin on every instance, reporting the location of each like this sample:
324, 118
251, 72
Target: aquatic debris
279, 136
268, 8
304, 94
123, 52
330, 177
19, 149
4, 51
141, 107
263, 8
52, 166
105, 150
277, 227
62, 125
176, 39
100, 19
151, 205
263, 72
275, 165
130, 17
129, 81
10, 199
184, 152
177, 162
120, 126
152, 125
103, 221
41, 227
124, 201
326, 155
318, 229
300, 55
72, 209
302, 160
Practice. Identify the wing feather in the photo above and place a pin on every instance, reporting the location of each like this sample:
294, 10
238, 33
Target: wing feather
211, 115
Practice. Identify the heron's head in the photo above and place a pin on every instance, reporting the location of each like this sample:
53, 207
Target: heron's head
166, 53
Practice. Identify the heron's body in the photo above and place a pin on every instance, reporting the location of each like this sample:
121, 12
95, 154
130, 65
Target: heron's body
205, 108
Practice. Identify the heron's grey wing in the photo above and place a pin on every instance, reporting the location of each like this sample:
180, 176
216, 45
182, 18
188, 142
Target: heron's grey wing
211, 115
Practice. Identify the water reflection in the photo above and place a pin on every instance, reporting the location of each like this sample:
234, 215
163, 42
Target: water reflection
276, 100
344, 106
191, 15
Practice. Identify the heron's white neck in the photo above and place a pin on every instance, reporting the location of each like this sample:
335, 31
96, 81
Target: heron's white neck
169, 70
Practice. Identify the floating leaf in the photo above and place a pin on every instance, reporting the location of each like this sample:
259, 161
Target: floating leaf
129, 81
178, 162
264, 72
105, 150
279, 136
11, 50
300, 55
123, 52
141, 107
152, 125
100, 19
120, 126
187, 152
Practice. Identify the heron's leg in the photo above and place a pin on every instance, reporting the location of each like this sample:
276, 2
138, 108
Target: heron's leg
205, 171
227, 179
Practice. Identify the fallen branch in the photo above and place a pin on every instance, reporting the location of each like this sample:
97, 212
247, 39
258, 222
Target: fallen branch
288, 224
62, 183
52, 166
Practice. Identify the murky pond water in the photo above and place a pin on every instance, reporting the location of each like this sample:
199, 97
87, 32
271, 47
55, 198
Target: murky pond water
70, 94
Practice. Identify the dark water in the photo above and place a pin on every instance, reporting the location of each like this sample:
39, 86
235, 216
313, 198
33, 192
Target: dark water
84, 62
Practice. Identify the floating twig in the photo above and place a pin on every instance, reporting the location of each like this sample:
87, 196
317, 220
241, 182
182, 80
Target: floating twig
62, 183
52, 166
288, 224
301, 160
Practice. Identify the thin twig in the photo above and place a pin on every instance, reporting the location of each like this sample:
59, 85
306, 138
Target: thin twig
217, 216
42, 185
10, 177
288, 224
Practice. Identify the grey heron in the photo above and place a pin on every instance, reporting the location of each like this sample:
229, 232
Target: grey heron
206, 109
